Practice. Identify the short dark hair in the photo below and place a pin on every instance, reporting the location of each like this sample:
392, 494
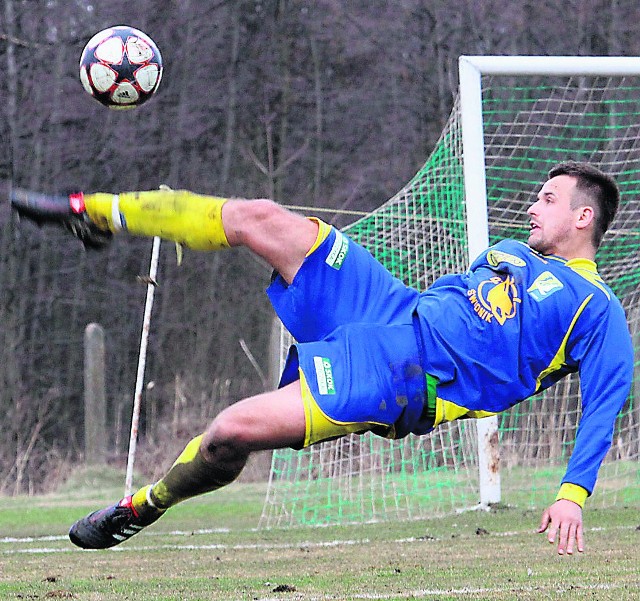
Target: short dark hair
601, 188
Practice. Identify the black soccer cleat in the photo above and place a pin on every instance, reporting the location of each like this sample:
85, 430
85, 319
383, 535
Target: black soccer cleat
109, 527
68, 211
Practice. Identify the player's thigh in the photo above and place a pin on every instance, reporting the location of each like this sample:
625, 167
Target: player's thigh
339, 283
265, 421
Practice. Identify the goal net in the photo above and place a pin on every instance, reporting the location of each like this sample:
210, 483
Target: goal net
588, 110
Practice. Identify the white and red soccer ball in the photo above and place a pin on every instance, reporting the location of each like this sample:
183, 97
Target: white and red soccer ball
121, 67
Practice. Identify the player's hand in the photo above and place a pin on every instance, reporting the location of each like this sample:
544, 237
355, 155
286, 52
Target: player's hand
564, 520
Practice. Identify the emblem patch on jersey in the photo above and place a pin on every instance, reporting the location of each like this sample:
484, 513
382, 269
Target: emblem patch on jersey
495, 257
338, 251
495, 298
544, 286
324, 375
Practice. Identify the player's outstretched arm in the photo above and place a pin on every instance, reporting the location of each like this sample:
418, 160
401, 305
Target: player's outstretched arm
563, 520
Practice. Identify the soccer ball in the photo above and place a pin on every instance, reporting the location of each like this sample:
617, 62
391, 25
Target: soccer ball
121, 67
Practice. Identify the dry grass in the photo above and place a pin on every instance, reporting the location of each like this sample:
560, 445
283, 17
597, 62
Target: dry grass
208, 548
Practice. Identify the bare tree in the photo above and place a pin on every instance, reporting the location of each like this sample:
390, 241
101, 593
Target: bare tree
329, 104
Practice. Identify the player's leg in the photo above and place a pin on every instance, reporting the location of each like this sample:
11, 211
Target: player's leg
209, 462
185, 217
267, 421
362, 377
339, 282
279, 236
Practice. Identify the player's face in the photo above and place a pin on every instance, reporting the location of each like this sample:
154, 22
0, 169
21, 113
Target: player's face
552, 219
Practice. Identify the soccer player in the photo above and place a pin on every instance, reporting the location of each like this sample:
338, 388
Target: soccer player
372, 354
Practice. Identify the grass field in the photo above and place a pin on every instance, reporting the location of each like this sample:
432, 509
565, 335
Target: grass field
209, 549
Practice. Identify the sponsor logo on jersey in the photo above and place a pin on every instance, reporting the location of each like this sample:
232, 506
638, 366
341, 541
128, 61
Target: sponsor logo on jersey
495, 257
544, 286
495, 299
324, 375
338, 251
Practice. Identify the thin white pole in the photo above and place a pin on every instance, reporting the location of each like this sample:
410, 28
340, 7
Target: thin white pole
142, 359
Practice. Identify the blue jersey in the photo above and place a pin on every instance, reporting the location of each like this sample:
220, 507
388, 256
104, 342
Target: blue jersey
513, 325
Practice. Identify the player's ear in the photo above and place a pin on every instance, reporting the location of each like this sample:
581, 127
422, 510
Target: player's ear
585, 216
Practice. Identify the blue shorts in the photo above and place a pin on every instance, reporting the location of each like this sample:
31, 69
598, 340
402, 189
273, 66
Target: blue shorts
356, 343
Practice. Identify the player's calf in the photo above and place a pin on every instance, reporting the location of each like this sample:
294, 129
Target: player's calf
190, 219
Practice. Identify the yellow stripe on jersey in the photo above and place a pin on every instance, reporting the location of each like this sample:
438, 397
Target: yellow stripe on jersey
559, 360
587, 269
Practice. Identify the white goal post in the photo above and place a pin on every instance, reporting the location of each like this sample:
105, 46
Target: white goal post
514, 118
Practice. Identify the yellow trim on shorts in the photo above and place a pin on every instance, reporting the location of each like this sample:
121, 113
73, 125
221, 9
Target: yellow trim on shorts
323, 231
447, 411
319, 426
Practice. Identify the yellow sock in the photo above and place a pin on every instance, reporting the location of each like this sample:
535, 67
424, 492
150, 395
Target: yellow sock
189, 476
140, 500
179, 215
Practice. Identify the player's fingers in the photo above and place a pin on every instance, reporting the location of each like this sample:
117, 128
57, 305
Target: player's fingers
580, 538
563, 538
544, 522
571, 537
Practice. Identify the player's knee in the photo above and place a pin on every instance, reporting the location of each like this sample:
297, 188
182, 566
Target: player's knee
263, 209
228, 434
255, 217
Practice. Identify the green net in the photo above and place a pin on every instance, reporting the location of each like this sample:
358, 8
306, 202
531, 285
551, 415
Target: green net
421, 234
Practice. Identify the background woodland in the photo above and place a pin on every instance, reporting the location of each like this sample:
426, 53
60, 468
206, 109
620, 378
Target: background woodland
326, 105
